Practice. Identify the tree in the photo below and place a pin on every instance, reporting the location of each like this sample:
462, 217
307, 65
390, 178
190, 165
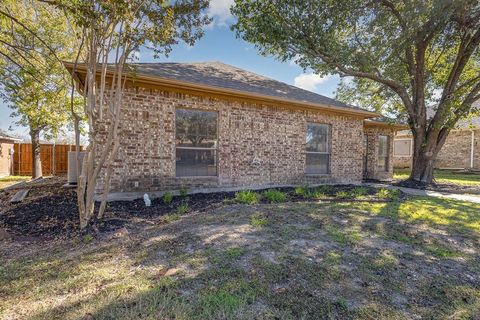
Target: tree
406, 55
112, 32
33, 80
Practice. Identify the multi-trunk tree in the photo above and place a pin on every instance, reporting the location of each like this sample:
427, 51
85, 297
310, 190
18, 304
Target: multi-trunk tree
112, 32
418, 58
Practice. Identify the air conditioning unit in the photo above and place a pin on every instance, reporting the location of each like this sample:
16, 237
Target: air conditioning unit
72, 166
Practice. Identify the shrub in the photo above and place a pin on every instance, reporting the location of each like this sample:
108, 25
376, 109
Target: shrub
274, 195
359, 192
391, 194
167, 198
183, 208
301, 191
247, 196
183, 192
313, 193
325, 189
342, 194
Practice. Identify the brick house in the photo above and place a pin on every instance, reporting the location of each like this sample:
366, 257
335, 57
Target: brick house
460, 151
6, 154
212, 126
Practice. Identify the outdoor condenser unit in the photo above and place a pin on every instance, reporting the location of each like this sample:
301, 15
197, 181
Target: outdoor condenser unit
72, 166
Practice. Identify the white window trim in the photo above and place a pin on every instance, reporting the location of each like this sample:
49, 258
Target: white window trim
411, 147
328, 152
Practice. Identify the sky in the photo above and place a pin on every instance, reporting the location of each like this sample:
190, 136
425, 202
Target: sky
220, 44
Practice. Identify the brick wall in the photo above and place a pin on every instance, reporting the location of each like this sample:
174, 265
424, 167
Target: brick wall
457, 150
372, 170
454, 154
246, 131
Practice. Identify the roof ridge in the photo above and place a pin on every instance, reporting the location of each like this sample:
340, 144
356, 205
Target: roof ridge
259, 75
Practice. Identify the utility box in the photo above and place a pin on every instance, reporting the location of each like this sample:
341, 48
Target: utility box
72, 166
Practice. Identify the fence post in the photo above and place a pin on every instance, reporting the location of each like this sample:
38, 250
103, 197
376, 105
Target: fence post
19, 159
53, 159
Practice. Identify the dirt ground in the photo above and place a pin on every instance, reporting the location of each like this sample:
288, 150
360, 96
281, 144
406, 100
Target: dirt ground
50, 210
413, 258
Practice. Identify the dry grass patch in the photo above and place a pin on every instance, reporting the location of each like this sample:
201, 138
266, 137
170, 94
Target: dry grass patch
414, 258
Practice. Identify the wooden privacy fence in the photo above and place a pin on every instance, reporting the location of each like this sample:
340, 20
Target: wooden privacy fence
54, 158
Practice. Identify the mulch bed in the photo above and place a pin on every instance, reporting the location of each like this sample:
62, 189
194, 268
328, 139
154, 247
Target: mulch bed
440, 187
50, 210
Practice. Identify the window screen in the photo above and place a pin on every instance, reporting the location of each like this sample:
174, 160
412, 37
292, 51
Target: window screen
196, 136
317, 149
383, 150
402, 147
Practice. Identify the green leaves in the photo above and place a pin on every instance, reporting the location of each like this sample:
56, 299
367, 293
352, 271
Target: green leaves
34, 81
403, 55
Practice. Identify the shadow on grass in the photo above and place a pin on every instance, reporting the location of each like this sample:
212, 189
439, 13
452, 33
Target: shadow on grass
307, 260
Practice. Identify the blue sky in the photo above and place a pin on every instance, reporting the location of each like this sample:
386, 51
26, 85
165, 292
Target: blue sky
220, 44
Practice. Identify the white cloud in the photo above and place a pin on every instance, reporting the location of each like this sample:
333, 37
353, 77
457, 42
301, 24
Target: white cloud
309, 81
219, 10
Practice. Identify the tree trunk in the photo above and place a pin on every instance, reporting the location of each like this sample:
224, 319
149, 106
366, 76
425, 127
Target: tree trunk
425, 151
36, 161
422, 167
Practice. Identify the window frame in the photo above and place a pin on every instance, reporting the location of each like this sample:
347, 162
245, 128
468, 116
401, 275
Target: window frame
387, 155
215, 148
403, 155
328, 152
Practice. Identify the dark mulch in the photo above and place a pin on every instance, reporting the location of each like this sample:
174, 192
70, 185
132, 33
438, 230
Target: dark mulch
440, 187
50, 210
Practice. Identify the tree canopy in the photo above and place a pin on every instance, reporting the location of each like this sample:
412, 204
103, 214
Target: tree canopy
404, 56
33, 80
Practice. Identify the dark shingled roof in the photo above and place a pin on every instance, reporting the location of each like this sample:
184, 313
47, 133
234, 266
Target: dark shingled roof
224, 76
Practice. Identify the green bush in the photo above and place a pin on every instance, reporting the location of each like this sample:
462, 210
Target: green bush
247, 196
313, 193
325, 189
183, 192
301, 191
167, 198
391, 194
359, 192
342, 194
183, 208
274, 195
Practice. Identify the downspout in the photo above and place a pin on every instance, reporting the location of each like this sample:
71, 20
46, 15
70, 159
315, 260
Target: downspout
472, 149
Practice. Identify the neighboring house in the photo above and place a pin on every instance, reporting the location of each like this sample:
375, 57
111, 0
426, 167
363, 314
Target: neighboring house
461, 149
213, 126
6, 153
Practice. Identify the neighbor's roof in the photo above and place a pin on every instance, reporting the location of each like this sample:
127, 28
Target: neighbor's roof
383, 121
229, 79
5, 136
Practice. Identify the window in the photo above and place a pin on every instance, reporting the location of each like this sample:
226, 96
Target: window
402, 148
383, 150
318, 149
196, 137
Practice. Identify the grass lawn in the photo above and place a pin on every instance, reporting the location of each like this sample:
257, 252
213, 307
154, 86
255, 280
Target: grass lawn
9, 180
444, 176
415, 258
